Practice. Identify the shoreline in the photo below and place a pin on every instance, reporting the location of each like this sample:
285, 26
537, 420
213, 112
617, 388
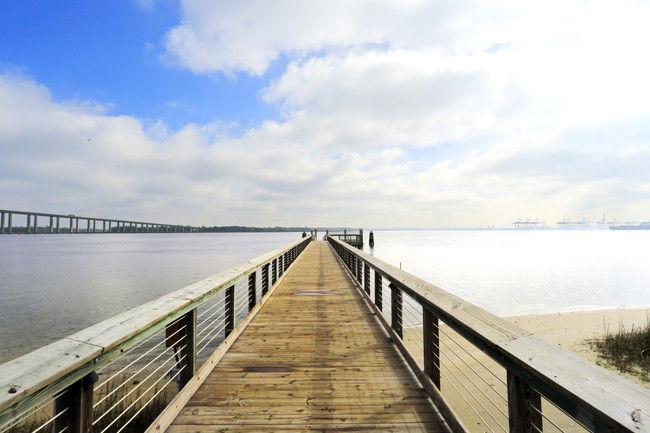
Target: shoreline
569, 330
572, 329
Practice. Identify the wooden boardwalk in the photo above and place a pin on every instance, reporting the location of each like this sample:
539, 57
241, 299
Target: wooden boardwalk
313, 359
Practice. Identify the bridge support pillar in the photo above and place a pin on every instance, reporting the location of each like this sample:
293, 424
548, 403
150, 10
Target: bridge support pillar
58, 224
29, 224
2, 223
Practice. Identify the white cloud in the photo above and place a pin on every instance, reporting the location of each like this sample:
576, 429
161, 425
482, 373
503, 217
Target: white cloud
248, 35
394, 114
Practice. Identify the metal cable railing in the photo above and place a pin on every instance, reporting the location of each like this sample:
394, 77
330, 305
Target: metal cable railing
118, 375
495, 375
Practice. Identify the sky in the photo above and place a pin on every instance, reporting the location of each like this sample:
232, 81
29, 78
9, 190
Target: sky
360, 113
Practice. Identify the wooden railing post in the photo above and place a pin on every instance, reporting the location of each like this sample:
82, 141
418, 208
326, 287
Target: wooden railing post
181, 335
378, 291
366, 278
359, 268
265, 278
188, 348
78, 400
252, 293
230, 309
396, 309
431, 346
274, 271
521, 399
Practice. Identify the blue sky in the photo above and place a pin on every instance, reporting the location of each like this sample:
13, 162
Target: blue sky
368, 113
111, 53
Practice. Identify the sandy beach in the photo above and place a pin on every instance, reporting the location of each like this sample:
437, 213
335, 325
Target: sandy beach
569, 330
463, 364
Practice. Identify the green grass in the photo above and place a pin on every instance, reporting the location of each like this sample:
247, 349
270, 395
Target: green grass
626, 350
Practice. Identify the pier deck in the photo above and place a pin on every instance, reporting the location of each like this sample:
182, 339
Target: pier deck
313, 359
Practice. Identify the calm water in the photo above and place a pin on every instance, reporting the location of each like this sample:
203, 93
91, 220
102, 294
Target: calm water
52, 286
512, 272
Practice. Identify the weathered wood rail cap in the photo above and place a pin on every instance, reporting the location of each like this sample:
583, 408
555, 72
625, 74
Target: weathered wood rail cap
57, 365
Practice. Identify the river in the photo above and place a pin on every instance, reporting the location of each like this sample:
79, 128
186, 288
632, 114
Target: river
54, 285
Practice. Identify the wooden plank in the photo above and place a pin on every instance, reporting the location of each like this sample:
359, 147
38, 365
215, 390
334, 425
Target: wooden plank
591, 394
319, 427
474, 322
313, 358
432, 389
180, 400
341, 408
253, 416
44, 367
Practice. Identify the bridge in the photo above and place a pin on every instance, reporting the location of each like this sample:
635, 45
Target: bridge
76, 224
315, 336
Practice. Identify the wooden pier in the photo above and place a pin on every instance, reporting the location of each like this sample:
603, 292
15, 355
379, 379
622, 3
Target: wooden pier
314, 358
314, 336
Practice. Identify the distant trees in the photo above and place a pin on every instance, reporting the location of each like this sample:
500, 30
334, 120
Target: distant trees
244, 229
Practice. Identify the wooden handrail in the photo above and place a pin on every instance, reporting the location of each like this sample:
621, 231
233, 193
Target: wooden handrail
34, 378
598, 399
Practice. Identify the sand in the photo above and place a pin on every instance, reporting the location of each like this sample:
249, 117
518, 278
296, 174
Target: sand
464, 365
570, 330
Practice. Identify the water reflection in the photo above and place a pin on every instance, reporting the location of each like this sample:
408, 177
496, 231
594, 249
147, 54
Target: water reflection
53, 286
519, 272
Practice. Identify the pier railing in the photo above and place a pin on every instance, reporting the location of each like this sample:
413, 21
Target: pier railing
487, 372
106, 378
354, 239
